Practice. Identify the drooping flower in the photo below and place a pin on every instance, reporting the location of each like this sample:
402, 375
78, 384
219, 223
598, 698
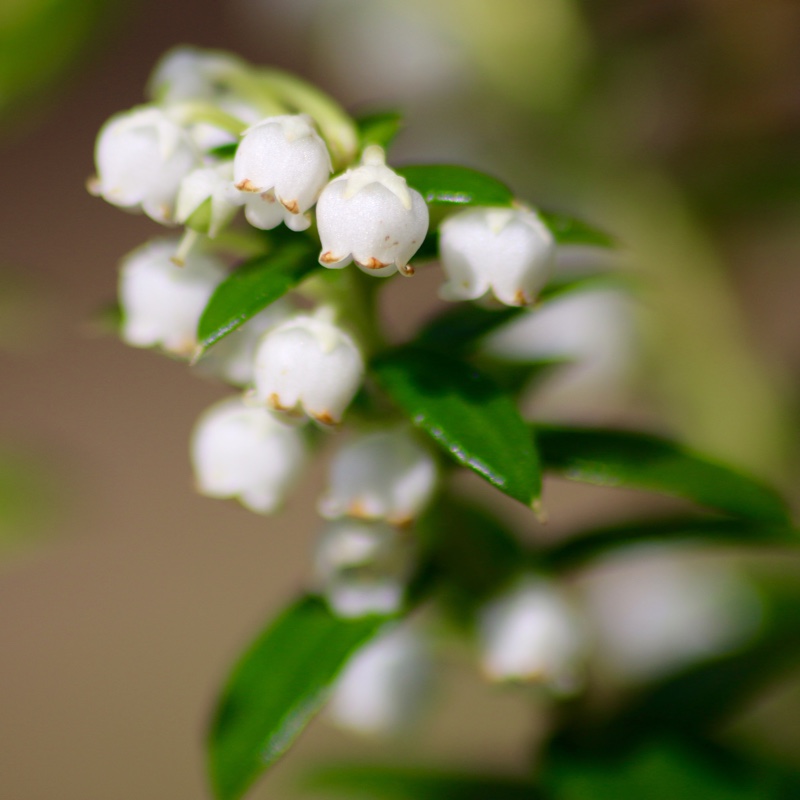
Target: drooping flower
308, 365
530, 633
507, 251
371, 216
141, 157
161, 302
207, 200
361, 567
282, 163
244, 452
382, 475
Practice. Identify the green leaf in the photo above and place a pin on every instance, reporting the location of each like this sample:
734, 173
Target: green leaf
276, 688
398, 783
467, 414
571, 231
253, 286
379, 128
224, 151
590, 544
452, 185
641, 461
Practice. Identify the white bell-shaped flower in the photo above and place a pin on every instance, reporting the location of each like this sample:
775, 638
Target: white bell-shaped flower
530, 633
382, 475
244, 452
233, 358
361, 567
371, 216
310, 365
207, 199
189, 73
283, 163
141, 158
507, 251
161, 302
383, 687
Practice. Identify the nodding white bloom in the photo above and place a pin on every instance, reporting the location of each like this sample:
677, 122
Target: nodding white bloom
141, 158
283, 163
654, 610
189, 73
233, 358
383, 475
161, 302
243, 452
361, 567
371, 216
308, 365
506, 250
383, 686
207, 200
531, 633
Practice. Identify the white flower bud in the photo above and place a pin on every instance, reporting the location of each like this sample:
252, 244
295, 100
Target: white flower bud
508, 251
207, 199
161, 302
285, 159
308, 364
370, 215
361, 567
243, 452
384, 685
189, 73
233, 358
384, 475
530, 633
141, 158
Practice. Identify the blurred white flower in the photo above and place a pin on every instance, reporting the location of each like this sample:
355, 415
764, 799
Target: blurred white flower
243, 452
361, 567
308, 365
654, 611
382, 475
508, 251
161, 302
141, 157
207, 199
190, 73
531, 633
285, 159
383, 687
370, 215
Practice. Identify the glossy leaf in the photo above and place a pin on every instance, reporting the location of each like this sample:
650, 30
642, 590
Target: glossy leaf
590, 544
397, 783
568, 230
641, 461
379, 128
467, 414
253, 286
452, 185
276, 688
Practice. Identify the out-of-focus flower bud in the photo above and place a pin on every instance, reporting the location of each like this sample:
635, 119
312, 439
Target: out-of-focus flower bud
207, 199
189, 73
161, 302
530, 633
384, 685
383, 475
141, 158
508, 251
361, 567
281, 159
370, 215
243, 452
308, 364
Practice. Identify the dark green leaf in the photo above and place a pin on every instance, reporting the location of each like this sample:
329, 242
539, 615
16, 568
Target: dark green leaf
397, 783
452, 185
467, 414
571, 231
224, 151
587, 545
276, 688
641, 461
379, 128
253, 286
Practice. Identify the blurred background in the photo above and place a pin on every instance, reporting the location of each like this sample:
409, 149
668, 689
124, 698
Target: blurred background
124, 596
